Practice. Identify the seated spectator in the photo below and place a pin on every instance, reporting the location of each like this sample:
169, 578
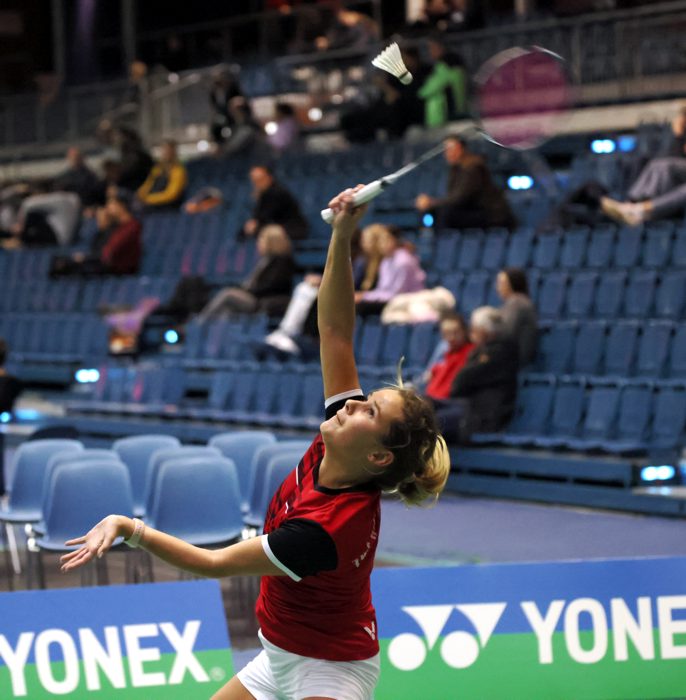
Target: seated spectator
297, 333
274, 204
445, 89
350, 30
660, 189
472, 198
482, 395
269, 285
441, 374
286, 134
117, 247
78, 178
518, 312
245, 135
46, 218
225, 87
10, 386
166, 183
399, 272
133, 161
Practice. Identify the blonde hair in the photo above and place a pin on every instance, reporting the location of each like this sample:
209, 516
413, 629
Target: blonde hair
276, 240
421, 461
371, 243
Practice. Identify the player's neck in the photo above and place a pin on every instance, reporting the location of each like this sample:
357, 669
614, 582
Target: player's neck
335, 474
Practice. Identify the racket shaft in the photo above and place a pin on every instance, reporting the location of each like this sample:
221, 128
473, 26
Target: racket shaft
366, 194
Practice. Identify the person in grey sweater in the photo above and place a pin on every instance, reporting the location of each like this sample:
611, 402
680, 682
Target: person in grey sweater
518, 312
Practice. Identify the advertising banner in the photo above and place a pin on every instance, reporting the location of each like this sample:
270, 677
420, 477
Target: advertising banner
612, 629
161, 640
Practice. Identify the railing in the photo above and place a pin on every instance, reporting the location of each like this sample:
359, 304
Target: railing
614, 56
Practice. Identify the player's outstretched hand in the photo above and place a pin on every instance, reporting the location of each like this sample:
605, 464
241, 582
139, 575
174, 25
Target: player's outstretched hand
346, 214
94, 543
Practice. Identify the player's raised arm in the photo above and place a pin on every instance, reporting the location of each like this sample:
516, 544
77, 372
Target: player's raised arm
336, 305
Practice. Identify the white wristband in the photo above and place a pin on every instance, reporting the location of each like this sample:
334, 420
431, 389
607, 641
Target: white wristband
137, 534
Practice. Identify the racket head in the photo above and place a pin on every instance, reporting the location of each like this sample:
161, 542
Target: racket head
522, 96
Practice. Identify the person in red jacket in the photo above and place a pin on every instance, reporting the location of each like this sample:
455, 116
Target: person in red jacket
116, 249
455, 335
317, 621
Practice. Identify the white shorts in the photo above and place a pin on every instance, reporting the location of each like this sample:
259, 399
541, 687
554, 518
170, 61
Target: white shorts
275, 674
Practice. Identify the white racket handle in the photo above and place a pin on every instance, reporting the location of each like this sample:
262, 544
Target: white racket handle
366, 194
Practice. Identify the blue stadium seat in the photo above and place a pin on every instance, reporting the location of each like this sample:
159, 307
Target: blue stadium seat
534, 403
547, 251
600, 415
657, 248
610, 294
552, 295
574, 247
421, 344
446, 254
240, 447
640, 292
555, 346
520, 247
470, 250
288, 398
474, 292
669, 416
671, 295
221, 390
653, 349
135, 453
633, 420
679, 249
581, 294
620, 348
494, 249
589, 347
209, 513
601, 247
568, 407
394, 345
677, 358
629, 247
371, 339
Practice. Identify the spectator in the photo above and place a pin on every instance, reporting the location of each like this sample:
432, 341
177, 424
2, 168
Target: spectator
245, 134
134, 162
518, 312
78, 178
472, 198
46, 218
440, 375
166, 182
399, 272
660, 189
225, 87
274, 204
115, 250
269, 286
10, 386
286, 133
350, 30
483, 393
445, 90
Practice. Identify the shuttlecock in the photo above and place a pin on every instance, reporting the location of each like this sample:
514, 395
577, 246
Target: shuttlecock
391, 61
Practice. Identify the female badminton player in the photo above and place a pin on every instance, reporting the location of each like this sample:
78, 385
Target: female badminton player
317, 622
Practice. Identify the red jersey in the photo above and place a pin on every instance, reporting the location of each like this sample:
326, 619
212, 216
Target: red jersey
444, 372
325, 540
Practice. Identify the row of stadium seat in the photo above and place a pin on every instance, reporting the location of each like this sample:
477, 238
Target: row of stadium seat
602, 414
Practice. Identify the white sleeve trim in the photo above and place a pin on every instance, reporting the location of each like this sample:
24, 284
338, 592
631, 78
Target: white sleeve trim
272, 558
341, 396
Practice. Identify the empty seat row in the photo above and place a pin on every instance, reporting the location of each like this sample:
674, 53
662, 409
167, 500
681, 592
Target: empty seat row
623, 348
64, 338
614, 417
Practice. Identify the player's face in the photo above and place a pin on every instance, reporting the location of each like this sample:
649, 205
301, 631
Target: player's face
359, 427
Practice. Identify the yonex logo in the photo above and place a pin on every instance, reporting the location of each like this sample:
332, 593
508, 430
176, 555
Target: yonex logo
458, 649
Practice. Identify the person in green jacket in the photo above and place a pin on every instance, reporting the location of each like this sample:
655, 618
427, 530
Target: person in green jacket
445, 90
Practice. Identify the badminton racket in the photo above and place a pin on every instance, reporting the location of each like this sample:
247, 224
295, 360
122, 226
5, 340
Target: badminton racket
521, 97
